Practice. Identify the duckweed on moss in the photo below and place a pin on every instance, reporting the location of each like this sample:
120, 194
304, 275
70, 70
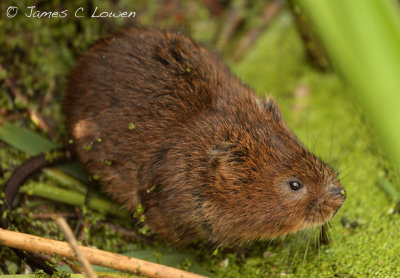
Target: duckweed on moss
131, 126
87, 147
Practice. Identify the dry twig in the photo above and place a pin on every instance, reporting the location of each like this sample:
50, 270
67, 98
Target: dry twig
268, 14
69, 236
230, 25
95, 256
53, 215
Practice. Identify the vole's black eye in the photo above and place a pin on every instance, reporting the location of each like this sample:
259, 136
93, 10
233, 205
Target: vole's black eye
295, 185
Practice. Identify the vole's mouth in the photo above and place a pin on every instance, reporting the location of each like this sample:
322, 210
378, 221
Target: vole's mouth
322, 214
311, 222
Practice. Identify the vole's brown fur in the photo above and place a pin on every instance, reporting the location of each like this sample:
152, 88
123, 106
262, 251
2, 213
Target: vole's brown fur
206, 159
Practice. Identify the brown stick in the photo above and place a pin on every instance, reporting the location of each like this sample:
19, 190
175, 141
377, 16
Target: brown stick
230, 25
53, 215
97, 257
69, 236
268, 14
35, 117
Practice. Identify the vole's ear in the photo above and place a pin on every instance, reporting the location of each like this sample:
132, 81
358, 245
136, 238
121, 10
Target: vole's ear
220, 165
270, 105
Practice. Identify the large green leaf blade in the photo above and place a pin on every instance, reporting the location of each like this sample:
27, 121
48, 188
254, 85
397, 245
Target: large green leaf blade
25, 140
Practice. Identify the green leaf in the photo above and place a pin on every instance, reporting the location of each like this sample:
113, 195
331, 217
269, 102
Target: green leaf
25, 140
28, 141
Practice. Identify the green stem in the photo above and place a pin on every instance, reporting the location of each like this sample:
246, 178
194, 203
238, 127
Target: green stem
72, 198
65, 180
389, 189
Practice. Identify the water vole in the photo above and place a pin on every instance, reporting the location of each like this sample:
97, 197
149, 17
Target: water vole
163, 123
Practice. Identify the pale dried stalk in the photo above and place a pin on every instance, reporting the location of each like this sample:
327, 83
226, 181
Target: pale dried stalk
69, 236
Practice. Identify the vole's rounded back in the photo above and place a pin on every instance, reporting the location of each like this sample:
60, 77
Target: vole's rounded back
164, 124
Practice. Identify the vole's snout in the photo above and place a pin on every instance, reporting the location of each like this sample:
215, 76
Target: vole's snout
338, 192
338, 196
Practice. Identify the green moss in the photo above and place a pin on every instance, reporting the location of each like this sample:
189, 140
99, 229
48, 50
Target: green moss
139, 211
52, 155
144, 230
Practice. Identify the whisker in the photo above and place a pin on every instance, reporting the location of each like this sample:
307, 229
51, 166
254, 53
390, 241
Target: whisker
287, 257
340, 162
290, 252
331, 146
316, 141
345, 172
319, 250
323, 231
330, 239
307, 131
315, 243
298, 248
305, 253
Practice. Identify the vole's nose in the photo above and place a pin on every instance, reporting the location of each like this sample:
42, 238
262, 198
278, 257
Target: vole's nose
338, 191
